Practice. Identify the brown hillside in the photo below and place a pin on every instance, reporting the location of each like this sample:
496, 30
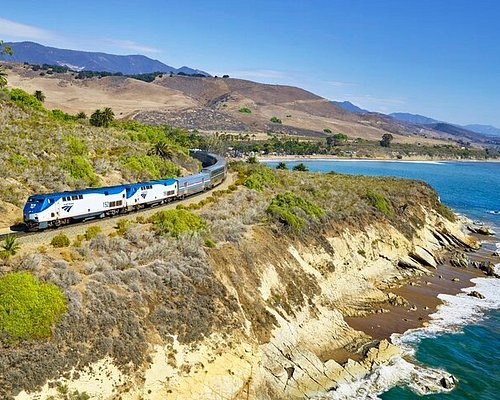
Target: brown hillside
212, 104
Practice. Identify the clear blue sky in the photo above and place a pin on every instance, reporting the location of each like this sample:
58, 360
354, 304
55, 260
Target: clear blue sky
439, 58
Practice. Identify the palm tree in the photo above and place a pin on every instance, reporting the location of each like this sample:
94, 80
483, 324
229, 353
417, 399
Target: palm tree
107, 117
162, 149
39, 95
96, 118
81, 115
11, 246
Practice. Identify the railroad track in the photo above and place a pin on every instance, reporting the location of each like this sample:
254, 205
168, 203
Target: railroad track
189, 199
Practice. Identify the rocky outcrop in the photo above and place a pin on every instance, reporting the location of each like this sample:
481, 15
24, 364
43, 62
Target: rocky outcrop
459, 259
475, 294
481, 230
424, 256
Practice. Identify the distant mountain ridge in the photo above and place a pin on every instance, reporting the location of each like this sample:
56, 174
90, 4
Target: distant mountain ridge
35, 53
484, 129
348, 106
413, 118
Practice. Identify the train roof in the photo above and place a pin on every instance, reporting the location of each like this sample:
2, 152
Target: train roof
102, 190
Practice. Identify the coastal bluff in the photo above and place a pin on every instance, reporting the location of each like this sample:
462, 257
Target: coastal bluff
289, 339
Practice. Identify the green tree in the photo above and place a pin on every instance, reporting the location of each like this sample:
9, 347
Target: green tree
10, 246
96, 118
301, 167
281, 165
252, 160
339, 139
107, 116
39, 95
81, 115
3, 78
275, 120
386, 140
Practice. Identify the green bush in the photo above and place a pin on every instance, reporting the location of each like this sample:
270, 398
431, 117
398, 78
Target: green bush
24, 98
80, 168
28, 307
60, 240
61, 115
380, 202
300, 167
275, 120
262, 177
245, 110
76, 146
174, 222
150, 167
291, 210
327, 130
92, 232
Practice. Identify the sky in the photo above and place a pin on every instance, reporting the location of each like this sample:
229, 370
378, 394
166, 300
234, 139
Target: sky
438, 58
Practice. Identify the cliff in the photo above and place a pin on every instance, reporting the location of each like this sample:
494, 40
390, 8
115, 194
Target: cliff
258, 316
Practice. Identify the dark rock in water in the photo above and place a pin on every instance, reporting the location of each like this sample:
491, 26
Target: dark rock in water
482, 230
488, 268
475, 294
459, 260
448, 382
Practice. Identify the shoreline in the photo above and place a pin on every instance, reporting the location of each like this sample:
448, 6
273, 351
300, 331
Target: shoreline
325, 157
423, 295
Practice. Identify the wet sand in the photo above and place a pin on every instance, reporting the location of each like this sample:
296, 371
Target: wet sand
422, 294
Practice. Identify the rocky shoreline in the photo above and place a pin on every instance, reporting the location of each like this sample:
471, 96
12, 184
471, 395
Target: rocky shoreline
364, 286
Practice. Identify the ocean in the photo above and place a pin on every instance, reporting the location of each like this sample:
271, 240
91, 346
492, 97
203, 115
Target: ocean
463, 337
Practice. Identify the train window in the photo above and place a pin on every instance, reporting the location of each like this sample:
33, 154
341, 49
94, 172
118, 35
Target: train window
74, 197
112, 203
106, 193
51, 201
119, 203
80, 196
150, 187
52, 215
170, 192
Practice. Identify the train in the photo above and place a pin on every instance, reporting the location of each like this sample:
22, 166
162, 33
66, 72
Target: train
51, 210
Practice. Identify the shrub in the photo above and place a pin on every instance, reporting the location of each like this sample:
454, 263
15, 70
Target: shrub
327, 130
380, 202
150, 167
60, 240
252, 160
80, 168
76, 146
290, 210
122, 225
174, 222
300, 167
61, 115
261, 178
275, 120
92, 232
23, 98
245, 110
281, 165
28, 307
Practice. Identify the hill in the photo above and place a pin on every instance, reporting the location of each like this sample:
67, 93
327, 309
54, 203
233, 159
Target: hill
484, 129
348, 106
413, 118
35, 53
212, 104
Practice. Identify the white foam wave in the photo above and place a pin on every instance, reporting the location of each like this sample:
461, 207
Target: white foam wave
421, 380
455, 312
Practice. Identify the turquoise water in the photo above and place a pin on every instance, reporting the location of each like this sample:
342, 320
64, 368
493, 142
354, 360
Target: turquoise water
472, 352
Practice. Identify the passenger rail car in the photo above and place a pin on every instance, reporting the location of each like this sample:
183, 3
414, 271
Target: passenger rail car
55, 209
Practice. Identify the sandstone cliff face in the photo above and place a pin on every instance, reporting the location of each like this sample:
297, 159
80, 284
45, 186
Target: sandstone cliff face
292, 296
